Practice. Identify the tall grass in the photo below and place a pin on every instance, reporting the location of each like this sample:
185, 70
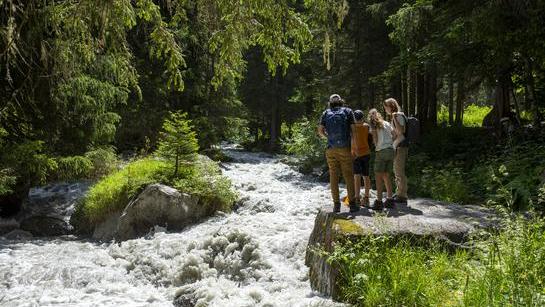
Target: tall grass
507, 269
383, 271
112, 193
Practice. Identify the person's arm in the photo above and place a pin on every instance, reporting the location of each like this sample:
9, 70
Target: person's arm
353, 139
322, 132
398, 127
374, 133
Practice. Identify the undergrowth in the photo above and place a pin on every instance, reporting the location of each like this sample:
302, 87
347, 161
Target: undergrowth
505, 269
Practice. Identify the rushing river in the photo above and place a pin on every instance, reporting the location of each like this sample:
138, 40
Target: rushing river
251, 257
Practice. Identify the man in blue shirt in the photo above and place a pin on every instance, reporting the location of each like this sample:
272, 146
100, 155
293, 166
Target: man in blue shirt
337, 124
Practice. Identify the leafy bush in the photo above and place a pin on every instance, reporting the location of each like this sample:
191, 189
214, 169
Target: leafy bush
7, 182
104, 161
74, 167
492, 171
306, 144
27, 162
206, 182
93, 165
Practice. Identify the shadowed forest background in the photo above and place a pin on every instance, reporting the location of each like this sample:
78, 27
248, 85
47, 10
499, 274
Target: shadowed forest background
83, 81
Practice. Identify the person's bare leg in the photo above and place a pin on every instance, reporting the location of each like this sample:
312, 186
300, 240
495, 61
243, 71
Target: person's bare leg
367, 183
388, 185
380, 185
357, 185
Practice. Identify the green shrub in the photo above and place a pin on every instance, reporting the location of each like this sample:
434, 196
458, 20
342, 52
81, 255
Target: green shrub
7, 181
446, 184
207, 182
28, 162
71, 168
104, 161
94, 164
306, 144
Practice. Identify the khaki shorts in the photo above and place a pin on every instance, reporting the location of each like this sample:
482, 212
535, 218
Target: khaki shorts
384, 161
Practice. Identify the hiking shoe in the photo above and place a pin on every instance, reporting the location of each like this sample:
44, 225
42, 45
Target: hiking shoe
389, 203
399, 199
336, 207
354, 207
377, 205
365, 202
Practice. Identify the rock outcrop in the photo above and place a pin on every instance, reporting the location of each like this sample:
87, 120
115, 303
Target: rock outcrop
421, 219
46, 226
156, 205
159, 205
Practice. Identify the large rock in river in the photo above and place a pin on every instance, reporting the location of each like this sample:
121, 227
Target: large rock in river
159, 205
422, 219
156, 205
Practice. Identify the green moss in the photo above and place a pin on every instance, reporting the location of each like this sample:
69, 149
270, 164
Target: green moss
347, 227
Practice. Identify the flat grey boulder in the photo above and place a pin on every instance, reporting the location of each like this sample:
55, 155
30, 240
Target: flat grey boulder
159, 205
422, 218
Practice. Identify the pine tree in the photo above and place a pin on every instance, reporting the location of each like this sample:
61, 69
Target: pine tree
178, 140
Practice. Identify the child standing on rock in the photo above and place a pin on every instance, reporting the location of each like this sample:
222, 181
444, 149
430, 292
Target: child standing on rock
361, 155
382, 137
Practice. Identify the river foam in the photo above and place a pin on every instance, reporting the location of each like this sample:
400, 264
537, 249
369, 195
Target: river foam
251, 257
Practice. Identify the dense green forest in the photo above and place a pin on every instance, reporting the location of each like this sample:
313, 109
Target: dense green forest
85, 80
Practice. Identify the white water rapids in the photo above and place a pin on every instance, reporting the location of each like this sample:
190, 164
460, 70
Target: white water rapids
251, 257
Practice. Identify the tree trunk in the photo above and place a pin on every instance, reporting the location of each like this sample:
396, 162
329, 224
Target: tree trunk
503, 101
531, 90
404, 94
275, 127
411, 86
432, 99
371, 95
450, 101
460, 97
517, 108
422, 107
177, 163
397, 89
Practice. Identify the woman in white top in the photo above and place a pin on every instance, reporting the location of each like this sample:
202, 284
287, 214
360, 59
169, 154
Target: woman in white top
382, 137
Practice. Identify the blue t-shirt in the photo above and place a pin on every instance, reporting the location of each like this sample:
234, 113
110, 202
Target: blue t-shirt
337, 122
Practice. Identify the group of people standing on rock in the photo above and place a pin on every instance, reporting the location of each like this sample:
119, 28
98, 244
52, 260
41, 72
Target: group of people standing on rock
349, 139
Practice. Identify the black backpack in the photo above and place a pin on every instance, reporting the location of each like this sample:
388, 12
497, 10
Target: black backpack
412, 131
